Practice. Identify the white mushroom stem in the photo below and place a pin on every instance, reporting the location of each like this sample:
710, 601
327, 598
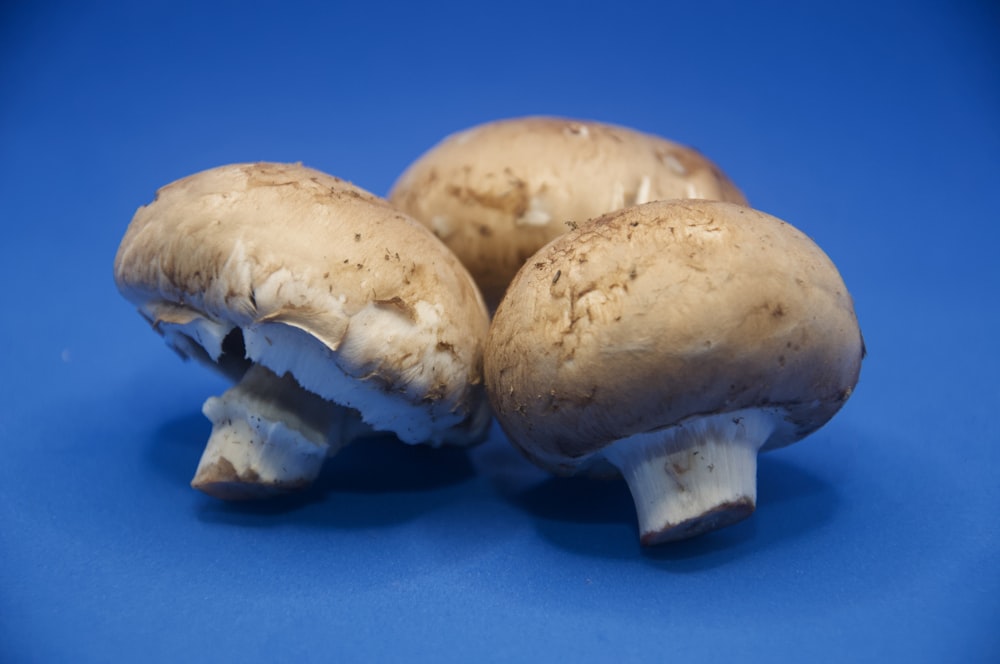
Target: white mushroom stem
694, 477
269, 436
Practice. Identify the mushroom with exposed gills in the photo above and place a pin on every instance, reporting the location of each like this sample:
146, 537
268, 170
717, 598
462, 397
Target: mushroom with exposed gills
336, 314
497, 192
669, 342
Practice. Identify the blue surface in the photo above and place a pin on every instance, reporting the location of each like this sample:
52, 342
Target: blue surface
871, 126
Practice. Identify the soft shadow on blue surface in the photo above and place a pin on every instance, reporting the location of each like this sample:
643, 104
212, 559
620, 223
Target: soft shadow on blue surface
377, 481
597, 518
176, 447
790, 503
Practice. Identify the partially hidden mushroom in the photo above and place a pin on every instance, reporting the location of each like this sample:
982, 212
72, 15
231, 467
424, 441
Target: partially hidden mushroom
497, 192
336, 315
669, 343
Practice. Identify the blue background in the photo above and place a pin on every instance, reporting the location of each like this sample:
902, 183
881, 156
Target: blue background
872, 126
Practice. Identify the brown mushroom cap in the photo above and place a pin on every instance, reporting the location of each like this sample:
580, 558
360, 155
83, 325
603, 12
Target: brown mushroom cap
659, 314
497, 192
325, 281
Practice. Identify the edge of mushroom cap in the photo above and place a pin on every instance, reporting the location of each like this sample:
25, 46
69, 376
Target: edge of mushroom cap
547, 171
680, 159
206, 257
567, 305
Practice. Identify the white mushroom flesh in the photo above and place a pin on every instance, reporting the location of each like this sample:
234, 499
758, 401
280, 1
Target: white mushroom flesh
270, 435
642, 193
536, 215
696, 476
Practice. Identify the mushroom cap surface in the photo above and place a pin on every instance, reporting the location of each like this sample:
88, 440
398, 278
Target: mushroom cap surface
658, 314
497, 192
324, 280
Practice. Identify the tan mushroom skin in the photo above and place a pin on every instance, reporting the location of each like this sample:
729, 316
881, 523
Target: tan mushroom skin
671, 341
338, 315
497, 192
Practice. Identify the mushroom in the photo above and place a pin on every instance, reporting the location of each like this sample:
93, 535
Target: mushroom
668, 343
497, 192
337, 315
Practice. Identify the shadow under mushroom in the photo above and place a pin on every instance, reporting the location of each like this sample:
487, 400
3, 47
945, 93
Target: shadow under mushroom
375, 482
597, 518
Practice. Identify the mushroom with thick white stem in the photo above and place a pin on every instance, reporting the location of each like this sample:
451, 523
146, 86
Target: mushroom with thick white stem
336, 314
669, 342
497, 192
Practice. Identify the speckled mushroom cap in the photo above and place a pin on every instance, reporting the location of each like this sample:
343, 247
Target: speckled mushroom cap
361, 304
657, 314
497, 192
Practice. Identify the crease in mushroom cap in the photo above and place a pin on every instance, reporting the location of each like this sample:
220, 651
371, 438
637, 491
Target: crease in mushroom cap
497, 192
670, 342
311, 292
